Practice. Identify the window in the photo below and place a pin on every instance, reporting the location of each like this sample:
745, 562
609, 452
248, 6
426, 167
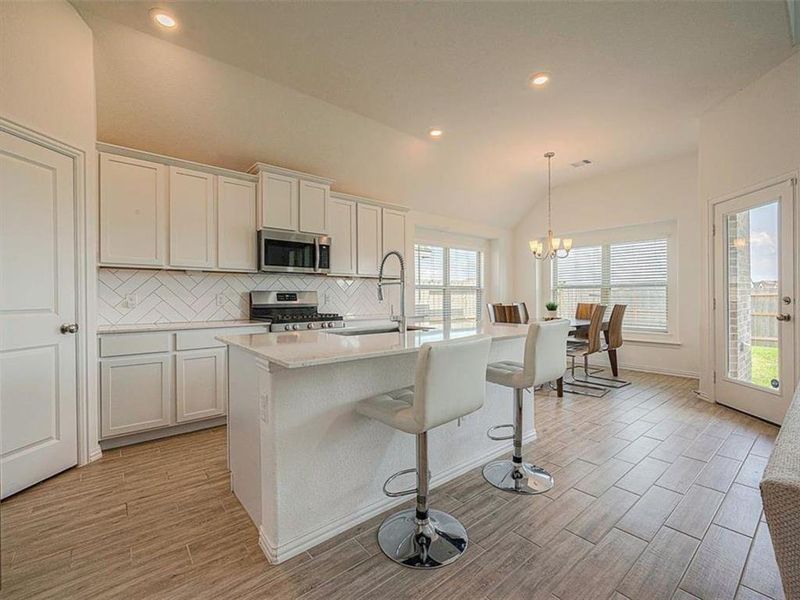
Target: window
631, 273
448, 285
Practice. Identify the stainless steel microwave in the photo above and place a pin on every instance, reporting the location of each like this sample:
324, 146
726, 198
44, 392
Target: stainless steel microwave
291, 252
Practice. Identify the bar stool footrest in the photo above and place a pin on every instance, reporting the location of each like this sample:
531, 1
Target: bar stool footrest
500, 438
399, 493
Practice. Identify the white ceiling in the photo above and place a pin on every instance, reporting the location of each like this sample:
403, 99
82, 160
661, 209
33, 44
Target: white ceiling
629, 78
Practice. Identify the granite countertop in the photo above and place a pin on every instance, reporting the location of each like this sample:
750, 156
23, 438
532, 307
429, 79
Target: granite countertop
309, 348
143, 327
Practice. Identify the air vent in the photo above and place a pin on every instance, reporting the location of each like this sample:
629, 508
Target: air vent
581, 163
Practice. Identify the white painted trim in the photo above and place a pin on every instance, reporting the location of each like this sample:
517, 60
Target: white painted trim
173, 161
84, 264
156, 434
302, 543
646, 369
365, 200
275, 169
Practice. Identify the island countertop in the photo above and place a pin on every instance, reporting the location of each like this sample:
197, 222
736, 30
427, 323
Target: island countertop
310, 348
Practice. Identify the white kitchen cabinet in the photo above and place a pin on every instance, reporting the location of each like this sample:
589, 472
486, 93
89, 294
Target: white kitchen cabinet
369, 238
133, 211
236, 224
200, 384
135, 393
343, 232
313, 200
192, 219
278, 201
394, 238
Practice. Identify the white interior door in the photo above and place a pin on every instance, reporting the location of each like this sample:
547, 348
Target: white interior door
754, 298
38, 393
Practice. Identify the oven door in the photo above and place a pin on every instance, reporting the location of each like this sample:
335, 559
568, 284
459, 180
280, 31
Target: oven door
287, 252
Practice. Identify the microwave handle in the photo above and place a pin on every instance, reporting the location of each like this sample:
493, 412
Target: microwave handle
316, 255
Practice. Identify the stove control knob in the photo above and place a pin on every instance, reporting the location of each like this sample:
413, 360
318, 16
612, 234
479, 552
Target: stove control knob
294, 327
323, 325
287, 327
331, 324
310, 326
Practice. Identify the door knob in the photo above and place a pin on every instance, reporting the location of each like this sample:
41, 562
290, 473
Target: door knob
784, 317
69, 328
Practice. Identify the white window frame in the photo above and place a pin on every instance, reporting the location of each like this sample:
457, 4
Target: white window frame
636, 233
446, 288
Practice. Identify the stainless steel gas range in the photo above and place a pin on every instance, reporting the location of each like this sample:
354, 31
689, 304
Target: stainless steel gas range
291, 311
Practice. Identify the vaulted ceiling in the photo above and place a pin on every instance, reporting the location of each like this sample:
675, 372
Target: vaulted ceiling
629, 80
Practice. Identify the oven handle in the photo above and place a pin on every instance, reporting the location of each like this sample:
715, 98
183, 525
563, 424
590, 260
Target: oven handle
316, 255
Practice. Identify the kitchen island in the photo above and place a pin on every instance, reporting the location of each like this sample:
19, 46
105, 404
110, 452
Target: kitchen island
304, 464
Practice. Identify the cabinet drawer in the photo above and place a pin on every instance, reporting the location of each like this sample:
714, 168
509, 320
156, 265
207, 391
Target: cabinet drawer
133, 343
204, 338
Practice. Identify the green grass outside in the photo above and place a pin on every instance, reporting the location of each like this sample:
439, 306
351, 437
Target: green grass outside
765, 365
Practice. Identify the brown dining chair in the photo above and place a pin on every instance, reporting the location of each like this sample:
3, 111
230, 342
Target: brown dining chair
490, 308
584, 310
517, 313
613, 336
583, 348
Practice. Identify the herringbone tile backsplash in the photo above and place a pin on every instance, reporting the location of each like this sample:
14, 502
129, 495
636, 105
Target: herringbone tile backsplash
146, 296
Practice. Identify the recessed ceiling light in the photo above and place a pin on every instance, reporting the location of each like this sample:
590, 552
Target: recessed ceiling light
538, 79
163, 18
435, 132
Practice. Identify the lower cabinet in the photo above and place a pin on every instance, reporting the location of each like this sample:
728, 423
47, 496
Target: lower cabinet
135, 393
200, 386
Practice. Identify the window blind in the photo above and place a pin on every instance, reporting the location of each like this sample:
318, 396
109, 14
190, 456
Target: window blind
632, 273
448, 284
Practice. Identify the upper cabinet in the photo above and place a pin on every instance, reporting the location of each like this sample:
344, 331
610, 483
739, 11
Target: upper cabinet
394, 238
291, 200
191, 219
362, 231
168, 213
133, 215
236, 224
342, 230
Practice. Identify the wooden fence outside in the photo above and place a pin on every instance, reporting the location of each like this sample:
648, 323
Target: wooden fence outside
764, 327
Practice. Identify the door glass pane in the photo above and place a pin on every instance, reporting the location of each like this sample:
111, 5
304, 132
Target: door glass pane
752, 260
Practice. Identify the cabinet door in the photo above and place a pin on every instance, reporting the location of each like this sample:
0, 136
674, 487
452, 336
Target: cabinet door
278, 203
369, 238
191, 218
313, 205
132, 211
394, 238
236, 224
200, 384
135, 393
342, 230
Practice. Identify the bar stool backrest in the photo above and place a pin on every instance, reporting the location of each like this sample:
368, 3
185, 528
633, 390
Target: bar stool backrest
584, 310
545, 351
450, 380
615, 326
595, 328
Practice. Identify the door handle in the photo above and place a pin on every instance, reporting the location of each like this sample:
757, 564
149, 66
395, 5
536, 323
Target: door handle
784, 317
69, 328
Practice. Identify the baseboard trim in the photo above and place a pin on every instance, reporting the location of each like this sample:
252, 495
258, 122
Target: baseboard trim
277, 554
648, 369
155, 434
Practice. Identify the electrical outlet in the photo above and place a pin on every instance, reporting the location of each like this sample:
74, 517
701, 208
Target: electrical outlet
221, 299
131, 300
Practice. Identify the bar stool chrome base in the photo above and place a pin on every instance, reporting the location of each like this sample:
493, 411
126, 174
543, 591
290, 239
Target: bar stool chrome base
436, 542
518, 478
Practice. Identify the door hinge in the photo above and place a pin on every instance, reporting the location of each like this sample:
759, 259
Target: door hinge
714, 304
715, 377
713, 230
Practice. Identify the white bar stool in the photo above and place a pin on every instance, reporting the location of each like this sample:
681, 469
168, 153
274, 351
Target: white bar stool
545, 361
449, 384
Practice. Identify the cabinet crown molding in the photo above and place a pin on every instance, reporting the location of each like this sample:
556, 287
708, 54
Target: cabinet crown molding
171, 161
365, 200
259, 167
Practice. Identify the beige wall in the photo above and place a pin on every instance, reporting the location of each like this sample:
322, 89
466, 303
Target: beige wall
653, 193
47, 84
751, 138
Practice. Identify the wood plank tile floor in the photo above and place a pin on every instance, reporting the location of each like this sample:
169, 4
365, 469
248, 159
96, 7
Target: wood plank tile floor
656, 497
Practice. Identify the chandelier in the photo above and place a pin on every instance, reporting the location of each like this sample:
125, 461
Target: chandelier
552, 247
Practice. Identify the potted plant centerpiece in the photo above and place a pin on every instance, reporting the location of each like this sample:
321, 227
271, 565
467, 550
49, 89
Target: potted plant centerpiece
551, 312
